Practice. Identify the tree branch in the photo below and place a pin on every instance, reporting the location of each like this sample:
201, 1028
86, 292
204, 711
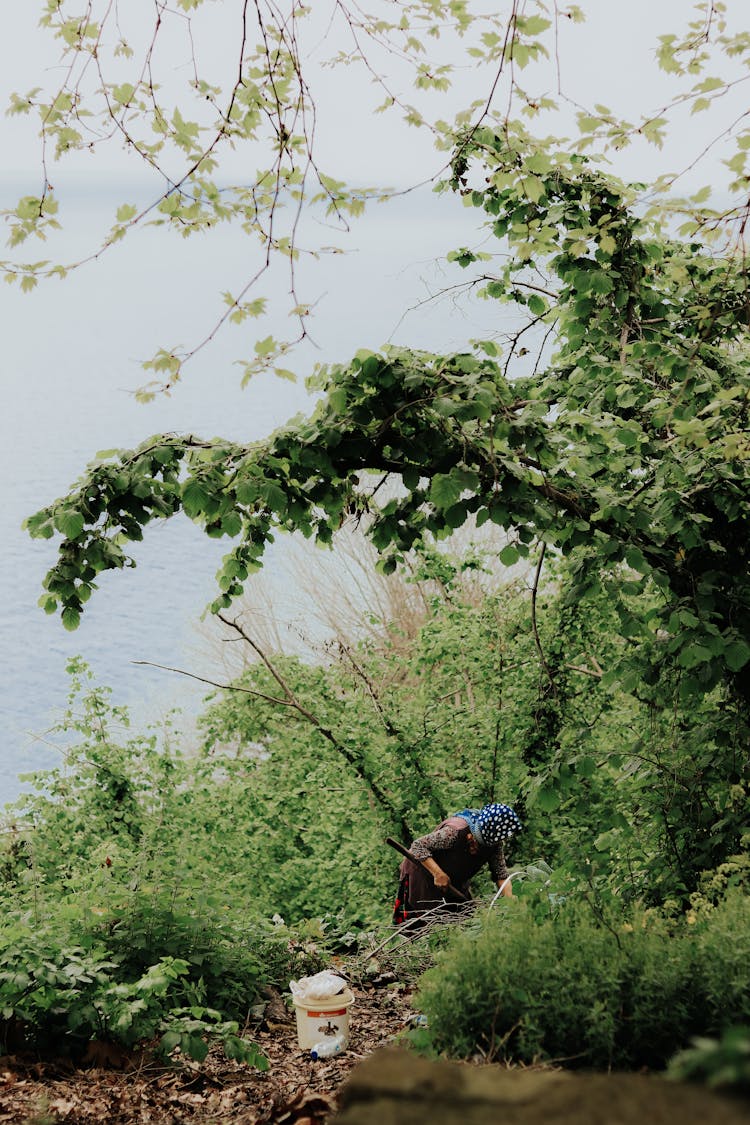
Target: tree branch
386, 802
537, 641
213, 683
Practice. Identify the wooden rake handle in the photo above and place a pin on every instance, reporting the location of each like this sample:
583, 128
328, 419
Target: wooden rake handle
460, 896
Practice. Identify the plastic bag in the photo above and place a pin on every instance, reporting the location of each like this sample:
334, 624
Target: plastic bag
320, 987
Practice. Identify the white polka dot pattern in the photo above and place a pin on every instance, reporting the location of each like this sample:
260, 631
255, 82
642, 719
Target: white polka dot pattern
497, 823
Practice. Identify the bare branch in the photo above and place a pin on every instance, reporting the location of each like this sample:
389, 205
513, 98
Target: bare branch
387, 803
387, 724
213, 683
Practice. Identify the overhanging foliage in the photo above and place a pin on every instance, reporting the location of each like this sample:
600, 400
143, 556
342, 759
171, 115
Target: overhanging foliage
630, 444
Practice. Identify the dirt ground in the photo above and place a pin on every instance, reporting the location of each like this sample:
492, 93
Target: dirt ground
117, 1088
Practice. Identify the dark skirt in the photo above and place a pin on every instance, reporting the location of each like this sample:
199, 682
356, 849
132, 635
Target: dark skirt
418, 894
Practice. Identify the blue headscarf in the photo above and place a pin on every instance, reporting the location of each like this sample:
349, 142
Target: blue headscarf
491, 825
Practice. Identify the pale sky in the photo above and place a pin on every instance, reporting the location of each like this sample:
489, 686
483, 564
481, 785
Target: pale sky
609, 59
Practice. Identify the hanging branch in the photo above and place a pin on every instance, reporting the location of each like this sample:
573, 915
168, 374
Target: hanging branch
537, 641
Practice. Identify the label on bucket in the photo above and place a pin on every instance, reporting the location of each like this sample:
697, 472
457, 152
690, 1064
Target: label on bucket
328, 1012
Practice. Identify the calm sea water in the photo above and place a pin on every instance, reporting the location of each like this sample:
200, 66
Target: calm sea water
70, 360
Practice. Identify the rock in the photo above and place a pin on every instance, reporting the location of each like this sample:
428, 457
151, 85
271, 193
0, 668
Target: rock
397, 1087
276, 1014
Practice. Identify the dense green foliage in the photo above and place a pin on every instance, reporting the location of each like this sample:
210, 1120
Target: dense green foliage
604, 991
138, 880
623, 453
622, 448
396, 735
628, 447
59, 998
127, 911
605, 692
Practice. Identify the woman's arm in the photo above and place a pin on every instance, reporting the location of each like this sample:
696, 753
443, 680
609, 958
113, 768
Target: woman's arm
500, 872
439, 878
424, 847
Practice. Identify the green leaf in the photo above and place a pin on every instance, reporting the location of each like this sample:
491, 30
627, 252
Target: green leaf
533, 188
274, 496
194, 499
71, 618
628, 436
170, 1040
122, 94
509, 554
694, 654
194, 1047
231, 524
701, 104
444, 490
533, 25
737, 655
69, 523
265, 347
40, 526
547, 798
635, 559
455, 516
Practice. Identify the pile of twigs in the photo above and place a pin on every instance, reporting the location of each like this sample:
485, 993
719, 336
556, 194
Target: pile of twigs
428, 922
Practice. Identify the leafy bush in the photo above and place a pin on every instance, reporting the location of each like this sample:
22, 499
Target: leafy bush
228, 969
128, 914
595, 992
230, 960
59, 996
134, 861
723, 1063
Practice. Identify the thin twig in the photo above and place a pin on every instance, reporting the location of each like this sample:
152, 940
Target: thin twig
213, 683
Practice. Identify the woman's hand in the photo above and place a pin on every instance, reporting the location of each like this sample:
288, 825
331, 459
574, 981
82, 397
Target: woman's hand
439, 877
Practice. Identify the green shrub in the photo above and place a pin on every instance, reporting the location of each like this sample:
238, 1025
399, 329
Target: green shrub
722, 1063
593, 991
58, 996
154, 926
722, 937
231, 960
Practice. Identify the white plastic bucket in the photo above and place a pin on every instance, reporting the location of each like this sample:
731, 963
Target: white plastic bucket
319, 1019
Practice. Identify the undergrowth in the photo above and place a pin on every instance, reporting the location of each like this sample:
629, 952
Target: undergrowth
620, 991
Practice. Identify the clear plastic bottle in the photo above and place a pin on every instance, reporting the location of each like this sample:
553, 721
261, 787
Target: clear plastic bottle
327, 1047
